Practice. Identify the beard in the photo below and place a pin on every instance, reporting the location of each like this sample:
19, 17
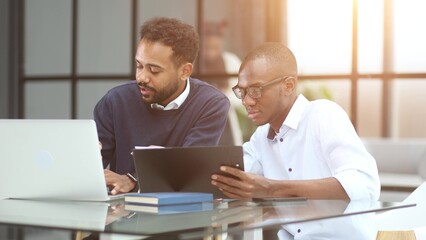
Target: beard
160, 95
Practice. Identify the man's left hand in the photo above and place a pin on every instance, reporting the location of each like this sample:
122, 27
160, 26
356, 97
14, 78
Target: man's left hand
245, 186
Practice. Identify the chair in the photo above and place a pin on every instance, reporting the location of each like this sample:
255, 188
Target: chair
407, 223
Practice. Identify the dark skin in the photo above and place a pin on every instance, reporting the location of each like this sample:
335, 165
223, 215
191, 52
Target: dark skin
273, 108
159, 79
255, 186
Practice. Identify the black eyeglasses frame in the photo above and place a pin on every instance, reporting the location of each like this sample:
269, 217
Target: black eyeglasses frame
255, 92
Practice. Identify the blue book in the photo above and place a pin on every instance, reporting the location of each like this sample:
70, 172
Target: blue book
168, 198
169, 209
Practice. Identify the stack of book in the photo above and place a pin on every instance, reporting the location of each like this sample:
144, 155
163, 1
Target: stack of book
168, 202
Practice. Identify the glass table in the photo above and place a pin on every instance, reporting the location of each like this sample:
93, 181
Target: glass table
221, 219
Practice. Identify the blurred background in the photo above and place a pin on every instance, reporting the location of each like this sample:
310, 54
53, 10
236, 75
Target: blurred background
58, 57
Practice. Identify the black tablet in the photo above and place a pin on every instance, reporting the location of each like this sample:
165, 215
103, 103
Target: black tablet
184, 169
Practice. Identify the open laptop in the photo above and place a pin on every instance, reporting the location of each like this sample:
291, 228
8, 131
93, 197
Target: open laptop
184, 169
51, 159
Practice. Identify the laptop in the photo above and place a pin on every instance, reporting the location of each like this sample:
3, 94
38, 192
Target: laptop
51, 159
184, 169
89, 216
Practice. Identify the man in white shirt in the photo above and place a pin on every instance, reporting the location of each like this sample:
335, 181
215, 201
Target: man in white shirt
301, 148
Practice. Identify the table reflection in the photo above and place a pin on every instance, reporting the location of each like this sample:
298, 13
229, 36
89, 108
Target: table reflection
309, 219
301, 219
58, 214
328, 220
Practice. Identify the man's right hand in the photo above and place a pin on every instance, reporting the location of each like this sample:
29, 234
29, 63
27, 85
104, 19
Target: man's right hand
118, 183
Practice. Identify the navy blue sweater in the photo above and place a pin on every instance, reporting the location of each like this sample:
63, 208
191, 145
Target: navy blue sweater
125, 121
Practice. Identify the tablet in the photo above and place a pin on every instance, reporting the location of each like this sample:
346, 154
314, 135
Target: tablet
184, 169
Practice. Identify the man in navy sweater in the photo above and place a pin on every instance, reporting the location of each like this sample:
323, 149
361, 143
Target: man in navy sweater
164, 106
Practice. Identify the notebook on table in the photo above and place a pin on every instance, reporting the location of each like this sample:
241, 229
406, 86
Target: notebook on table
168, 202
184, 169
170, 209
51, 159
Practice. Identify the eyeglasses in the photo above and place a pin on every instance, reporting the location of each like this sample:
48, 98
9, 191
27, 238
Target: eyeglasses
254, 92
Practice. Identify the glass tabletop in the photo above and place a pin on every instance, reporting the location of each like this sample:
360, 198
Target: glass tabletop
294, 216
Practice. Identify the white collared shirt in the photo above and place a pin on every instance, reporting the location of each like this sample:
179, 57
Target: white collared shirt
317, 140
175, 104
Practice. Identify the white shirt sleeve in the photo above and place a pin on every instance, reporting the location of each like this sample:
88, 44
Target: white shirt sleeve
349, 161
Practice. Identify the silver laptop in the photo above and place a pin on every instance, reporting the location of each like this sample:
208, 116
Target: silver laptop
51, 159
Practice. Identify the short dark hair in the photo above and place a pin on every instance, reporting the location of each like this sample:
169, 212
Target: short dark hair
277, 55
181, 37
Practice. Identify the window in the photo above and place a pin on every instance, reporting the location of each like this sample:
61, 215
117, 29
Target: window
365, 55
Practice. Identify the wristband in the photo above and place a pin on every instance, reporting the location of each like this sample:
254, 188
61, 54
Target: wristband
133, 178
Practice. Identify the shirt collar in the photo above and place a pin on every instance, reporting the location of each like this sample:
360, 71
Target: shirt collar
175, 104
293, 118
